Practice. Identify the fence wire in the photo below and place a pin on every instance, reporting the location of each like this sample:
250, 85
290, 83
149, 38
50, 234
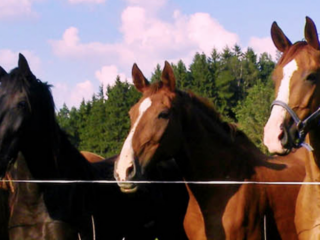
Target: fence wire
162, 182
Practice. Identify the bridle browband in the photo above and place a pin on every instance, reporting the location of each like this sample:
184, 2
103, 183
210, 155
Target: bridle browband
303, 126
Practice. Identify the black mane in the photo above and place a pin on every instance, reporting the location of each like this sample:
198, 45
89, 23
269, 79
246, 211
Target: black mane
225, 131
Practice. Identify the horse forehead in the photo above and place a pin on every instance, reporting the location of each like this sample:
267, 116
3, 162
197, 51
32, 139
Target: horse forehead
138, 109
308, 58
144, 105
282, 72
162, 98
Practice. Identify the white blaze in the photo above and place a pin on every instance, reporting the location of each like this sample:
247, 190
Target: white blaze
126, 158
272, 129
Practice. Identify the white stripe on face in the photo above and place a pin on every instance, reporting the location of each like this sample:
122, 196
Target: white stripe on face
126, 159
272, 129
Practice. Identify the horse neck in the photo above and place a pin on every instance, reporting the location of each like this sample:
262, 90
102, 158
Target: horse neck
313, 163
210, 152
54, 157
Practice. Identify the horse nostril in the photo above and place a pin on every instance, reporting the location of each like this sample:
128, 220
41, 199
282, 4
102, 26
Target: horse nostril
131, 171
283, 137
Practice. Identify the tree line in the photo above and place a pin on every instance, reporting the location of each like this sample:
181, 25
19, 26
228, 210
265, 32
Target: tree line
237, 82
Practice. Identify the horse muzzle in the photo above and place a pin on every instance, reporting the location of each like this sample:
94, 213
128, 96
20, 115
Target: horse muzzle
126, 185
289, 138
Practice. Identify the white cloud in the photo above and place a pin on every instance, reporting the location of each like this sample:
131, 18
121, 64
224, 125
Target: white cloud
9, 60
71, 47
86, 1
148, 40
60, 92
261, 45
207, 33
83, 90
147, 3
16, 8
72, 96
108, 74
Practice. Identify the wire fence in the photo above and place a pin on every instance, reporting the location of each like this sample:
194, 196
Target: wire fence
162, 182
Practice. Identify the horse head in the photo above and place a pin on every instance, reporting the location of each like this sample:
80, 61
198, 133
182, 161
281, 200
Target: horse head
19, 110
297, 81
154, 132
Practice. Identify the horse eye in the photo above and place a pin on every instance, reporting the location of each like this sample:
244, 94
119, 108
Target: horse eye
312, 77
22, 104
164, 114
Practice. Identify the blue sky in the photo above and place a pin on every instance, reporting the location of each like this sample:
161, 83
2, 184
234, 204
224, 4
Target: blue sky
76, 45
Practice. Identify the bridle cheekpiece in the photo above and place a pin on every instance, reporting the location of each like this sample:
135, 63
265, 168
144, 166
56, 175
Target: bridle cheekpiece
303, 126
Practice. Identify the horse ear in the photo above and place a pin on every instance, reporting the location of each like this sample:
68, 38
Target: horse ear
23, 65
168, 77
2, 72
140, 82
311, 34
279, 39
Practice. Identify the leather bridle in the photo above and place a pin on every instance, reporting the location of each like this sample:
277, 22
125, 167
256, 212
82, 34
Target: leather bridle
303, 126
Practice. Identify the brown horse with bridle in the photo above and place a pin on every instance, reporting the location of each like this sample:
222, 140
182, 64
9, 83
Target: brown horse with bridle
294, 120
168, 123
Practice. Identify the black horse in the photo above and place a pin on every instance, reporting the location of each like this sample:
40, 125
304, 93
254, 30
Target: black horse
28, 125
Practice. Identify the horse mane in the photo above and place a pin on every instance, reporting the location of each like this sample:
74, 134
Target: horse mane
215, 118
292, 52
227, 131
43, 92
31, 85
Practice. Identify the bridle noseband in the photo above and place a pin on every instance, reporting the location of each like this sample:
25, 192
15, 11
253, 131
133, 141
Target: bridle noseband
303, 126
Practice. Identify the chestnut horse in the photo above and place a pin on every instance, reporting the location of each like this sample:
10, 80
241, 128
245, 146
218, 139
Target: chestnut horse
294, 119
28, 126
168, 123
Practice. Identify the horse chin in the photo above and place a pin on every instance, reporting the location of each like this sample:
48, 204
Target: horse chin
129, 190
128, 187
285, 152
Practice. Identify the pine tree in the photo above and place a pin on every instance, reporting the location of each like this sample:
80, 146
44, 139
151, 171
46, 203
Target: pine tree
95, 127
265, 66
250, 72
83, 115
254, 111
156, 75
183, 77
228, 83
121, 97
202, 77
68, 120
63, 117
